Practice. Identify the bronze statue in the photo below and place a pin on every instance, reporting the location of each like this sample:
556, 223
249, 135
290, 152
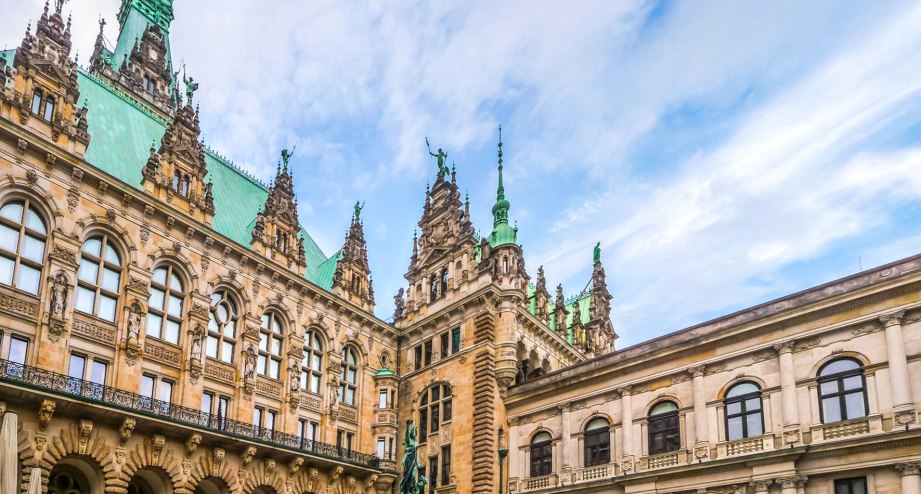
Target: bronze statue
286, 155
358, 207
441, 157
413, 481
190, 85
597, 253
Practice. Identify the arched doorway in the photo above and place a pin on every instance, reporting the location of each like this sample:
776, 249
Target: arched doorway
211, 485
74, 476
150, 480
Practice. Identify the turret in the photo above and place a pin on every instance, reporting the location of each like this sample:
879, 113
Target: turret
276, 232
352, 278
599, 331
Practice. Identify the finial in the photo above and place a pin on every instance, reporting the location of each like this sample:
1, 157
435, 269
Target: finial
69, 17
467, 196
46, 7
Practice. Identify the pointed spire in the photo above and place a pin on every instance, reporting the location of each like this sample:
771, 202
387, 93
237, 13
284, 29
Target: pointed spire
502, 233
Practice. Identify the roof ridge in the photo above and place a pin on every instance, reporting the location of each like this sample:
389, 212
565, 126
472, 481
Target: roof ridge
230, 164
125, 97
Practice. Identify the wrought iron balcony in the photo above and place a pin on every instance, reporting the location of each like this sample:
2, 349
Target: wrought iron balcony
60, 384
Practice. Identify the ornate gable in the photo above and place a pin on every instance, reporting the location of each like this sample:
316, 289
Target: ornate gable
352, 278
45, 90
599, 332
175, 173
277, 230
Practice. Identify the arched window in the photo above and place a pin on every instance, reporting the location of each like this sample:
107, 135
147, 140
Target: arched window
37, 97
312, 365
66, 479
49, 108
270, 346
541, 454
435, 410
664, 430
348, 381
842, 390
597, 442
23, 234
98, 278
167, 294
222, 327
744, 417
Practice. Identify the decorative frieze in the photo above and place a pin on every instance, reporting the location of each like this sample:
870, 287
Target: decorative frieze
269, 389
95, 332
16, 306
161, 353
219, 372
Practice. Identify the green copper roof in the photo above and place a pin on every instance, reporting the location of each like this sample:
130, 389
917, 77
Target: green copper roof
385, 372
583, 299
122, 132
326, 270
501, 233
133, 18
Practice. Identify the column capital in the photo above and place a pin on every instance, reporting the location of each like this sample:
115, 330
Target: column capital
909, 468
624, 390
791, 482
697, 370
784, 346
760, 485
513, 421
564, 407
892, 319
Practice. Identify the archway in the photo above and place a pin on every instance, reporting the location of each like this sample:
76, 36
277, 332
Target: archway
74, 476
150, 480
212, 485
264, 489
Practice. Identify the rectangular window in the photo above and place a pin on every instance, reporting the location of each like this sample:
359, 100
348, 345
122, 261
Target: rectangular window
381, 448
16, 356
428, 352
147, 390
445, 464
382, 399
77, 365
257, 417
207, 400
435, 419
444, 345
856, 485
423, 425
418, 356
455, 340
433, 474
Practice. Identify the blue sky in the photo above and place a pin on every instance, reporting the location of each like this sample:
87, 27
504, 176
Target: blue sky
723, 153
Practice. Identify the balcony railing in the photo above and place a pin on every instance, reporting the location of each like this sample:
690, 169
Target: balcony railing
97, 393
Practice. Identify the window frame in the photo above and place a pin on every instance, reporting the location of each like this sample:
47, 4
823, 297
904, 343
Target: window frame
597, 453
669, 431
163, 312
841, 393
313, 353
218, 410
102, 264
23, 231
346, 386
267, 356
848, 483
219, 335
744, 412
540, 465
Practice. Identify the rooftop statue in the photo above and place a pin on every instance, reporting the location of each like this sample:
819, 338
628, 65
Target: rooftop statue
190, 85
441, 156
358, 207
597, 253
286, 155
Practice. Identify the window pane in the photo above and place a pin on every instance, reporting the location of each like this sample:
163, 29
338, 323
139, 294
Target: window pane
98, 372
734, 429
92, 246
351, 376
853, 382
273, 369
175, 284
316, 362
110, 280
350, 396
88, 271
106, 308
147, 385
34, 222
34, 249
230, 329
754, 424
112, 256
315, 384
855, 405
156, 299
9, 238
211, 347
831, 410
12, 211
84, 300
276, 346
753, 404
159, 276
77, 364
166, 391
175, 306
29, 279
153, 324
6, 270
260, 365
206, 399
263, 342
172, 332
227, 352
734, 408
839, 366
828, 388
446, 416
18, 350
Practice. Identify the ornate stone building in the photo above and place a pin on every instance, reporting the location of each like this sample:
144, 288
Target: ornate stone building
167, 325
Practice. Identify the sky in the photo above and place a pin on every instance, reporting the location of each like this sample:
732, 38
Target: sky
723, 153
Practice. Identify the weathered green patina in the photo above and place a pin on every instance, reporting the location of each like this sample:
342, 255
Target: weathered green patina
502, 233
413, 481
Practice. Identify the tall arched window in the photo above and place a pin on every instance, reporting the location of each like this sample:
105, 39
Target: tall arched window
436, 410
23, 234
348, 381
312, 365
49, 108
744, 417
270, 346
842, 390
664, 429
541, 454
167, 294
99, 278
37, 97
597, 440
222, 327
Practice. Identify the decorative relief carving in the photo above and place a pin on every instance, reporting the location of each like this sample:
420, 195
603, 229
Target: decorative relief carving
866, 328
161, 353
763, 355
310, 403
18, 307
348, 414
219, 372
803, 345
268, 388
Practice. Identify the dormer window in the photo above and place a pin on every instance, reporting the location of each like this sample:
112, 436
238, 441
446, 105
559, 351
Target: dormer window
281, 241
181, 184
149, 85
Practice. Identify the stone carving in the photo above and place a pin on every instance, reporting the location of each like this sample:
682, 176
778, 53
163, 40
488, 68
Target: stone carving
162, 353
125, 431
60, 288
294, 466
86, 428
248, 455
398, 304
133, 331
44, 414
191, 444
249, 369
17, 306
196, 355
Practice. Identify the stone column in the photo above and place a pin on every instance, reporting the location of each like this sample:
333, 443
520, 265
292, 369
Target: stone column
566, 460
899, 381
702, 443
911, 477
789, 485
627, 424
513, 454
788, 392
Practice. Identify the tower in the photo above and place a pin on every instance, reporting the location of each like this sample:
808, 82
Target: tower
276, 232
141, 62
352, 278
